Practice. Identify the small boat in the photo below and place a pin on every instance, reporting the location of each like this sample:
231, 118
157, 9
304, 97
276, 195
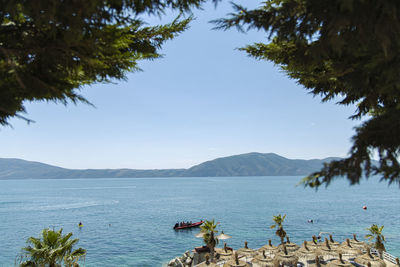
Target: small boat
186, 226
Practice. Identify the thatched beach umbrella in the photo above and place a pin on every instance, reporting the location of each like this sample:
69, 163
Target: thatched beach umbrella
305, 253
235, 262
199, 235
339, 263
348, 250
207, 263
317, 263
285, 258
358, 244
313, 244
223, 236
224, 253
269, 249
368, 258
333, 243
263, 260
326, 251
290, 247
309, 245
246, 251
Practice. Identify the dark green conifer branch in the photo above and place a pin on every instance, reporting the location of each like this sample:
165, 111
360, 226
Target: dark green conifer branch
50, 49
338, 49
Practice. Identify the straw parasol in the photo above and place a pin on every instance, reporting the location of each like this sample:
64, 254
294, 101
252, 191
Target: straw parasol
235, 262
333, 243
246, 251
224, 253
340, 263
199, 235
314, 239
305, 252
285, 258
263, 260
358, 244
349, 250
269, 249
368, 258
311, 245
223, 236
326, 251
291, 247
207, 263
317, 263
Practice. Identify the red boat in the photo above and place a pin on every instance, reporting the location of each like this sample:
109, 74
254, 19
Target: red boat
186, 226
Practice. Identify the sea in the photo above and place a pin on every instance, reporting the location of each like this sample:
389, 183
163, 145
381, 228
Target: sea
129, 221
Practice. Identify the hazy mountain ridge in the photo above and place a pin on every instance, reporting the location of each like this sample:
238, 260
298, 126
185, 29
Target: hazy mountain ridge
250, 164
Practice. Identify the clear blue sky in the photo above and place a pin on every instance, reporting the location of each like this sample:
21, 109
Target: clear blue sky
203, 100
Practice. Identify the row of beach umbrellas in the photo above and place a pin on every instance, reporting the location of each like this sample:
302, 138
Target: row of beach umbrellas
311, 253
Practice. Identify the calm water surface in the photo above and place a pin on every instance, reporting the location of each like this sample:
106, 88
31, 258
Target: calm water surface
128, 222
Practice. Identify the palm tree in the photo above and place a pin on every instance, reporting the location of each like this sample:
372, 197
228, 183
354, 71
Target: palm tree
209, 235
51, 249
71, 260
278, 220
375, 232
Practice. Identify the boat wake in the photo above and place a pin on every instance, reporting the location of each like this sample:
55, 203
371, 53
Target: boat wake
77, 205
100, 187
61, 206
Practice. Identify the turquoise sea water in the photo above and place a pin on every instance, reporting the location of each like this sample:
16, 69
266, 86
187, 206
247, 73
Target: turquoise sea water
128, 222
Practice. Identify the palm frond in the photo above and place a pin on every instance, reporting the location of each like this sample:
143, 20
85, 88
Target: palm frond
52, 248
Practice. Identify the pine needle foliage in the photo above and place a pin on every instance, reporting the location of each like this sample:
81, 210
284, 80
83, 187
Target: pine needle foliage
50, 49
340, 50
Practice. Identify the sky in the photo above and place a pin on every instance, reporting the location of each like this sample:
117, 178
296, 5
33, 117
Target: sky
203, 100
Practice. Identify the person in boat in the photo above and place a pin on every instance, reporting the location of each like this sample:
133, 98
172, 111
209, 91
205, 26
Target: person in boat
80, 224
176, 225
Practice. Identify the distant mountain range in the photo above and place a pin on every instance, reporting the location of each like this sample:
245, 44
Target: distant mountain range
250, 164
